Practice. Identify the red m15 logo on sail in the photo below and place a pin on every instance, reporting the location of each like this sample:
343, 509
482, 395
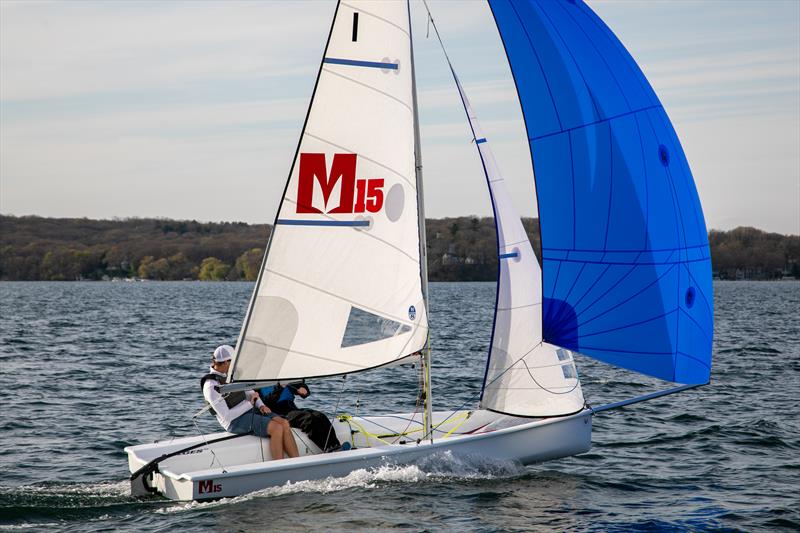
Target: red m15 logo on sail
355, 195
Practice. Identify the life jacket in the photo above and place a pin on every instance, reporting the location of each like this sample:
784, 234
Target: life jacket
280, 399
232, 399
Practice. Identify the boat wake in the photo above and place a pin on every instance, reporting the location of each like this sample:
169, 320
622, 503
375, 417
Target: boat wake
46, 504
440, 467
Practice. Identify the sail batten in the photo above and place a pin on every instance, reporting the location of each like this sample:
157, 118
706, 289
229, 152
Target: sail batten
625, 259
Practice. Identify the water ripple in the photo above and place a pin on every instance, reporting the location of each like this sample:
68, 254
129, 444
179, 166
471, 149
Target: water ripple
94, 367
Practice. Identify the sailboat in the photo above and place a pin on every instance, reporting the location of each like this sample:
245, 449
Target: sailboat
625, 272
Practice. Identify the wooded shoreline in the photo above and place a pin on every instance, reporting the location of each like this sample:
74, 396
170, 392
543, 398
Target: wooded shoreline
459, 249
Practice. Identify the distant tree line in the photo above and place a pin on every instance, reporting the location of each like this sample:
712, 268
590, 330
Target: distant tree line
749, 253
459, 249
36, 248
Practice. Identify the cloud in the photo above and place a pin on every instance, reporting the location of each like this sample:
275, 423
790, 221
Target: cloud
61, 49
171, 109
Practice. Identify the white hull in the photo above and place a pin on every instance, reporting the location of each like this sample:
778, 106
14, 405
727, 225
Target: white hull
242, 465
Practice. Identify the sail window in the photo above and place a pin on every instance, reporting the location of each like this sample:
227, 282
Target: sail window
562, 354
364, 327
569, 371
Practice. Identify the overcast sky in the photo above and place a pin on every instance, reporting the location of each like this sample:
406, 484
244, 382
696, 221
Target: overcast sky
193, 109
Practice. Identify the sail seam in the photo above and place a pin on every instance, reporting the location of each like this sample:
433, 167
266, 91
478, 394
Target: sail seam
317, 137
702, 235
591, 287
652, 263
535, 367
610, 186
314, 356
541, 69
518, 307
384, 93
597, 112
506, 245
351, 302
619, 350
625, 301
574, 128
693, 358
574, 208
588, 307
630, 325
621, 52
600, 55
681, 229
373, 15
626, 251
366, 234
690, 317
620, 280
646, 184
561, 311
305, 354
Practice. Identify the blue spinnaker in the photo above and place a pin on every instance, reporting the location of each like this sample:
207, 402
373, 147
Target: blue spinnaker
626, 264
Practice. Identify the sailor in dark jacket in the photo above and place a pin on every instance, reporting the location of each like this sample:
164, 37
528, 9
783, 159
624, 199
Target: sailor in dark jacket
280, 399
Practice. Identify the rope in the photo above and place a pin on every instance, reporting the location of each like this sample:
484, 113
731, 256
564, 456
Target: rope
335, 410
466, 417
260, 437
545, 388
350, 421
211, 449
405, 433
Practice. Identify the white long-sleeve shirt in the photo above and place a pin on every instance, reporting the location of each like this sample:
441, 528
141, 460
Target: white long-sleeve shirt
226, 415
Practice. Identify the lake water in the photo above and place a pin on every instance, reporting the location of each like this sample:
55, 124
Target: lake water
89, 368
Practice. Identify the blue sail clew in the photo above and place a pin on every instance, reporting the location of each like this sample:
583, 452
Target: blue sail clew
626, 264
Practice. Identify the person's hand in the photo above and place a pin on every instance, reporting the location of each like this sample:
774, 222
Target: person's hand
254, 399
264, 410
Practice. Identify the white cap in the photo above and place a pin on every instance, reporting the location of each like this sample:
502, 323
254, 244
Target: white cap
223, 353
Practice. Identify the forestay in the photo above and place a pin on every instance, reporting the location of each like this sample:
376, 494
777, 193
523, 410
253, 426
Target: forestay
340, 287
524, 376
626, 264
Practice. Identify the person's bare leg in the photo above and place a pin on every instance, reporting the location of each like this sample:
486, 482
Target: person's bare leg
289, 443
275, 432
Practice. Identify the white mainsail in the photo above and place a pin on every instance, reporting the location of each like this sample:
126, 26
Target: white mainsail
525, 376
341, 286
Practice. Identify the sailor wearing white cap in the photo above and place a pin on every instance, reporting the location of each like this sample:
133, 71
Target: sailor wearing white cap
243, 411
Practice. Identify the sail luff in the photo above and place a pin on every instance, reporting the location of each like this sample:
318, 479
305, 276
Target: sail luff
491, 193
423, 248
261, 270
341, 287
